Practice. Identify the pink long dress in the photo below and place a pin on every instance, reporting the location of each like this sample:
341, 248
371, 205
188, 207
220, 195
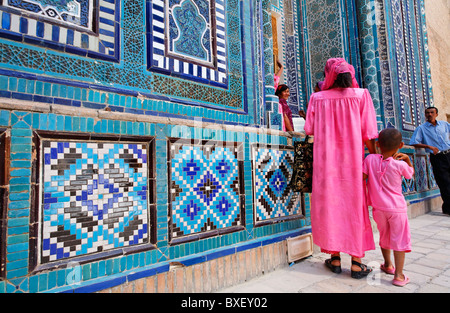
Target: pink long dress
341, 120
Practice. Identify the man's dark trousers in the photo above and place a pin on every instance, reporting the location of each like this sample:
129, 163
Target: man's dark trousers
441, 170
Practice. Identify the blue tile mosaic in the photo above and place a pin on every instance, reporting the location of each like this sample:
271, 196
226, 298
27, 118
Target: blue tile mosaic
420, 168
76, 26
189, 38
204, 187
68, 62
431, 179
190, 30
196, 33
409, 185
78, 13
272, 172
404, 54
94, 197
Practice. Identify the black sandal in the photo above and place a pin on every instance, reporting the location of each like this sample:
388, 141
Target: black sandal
363, 272
334, 268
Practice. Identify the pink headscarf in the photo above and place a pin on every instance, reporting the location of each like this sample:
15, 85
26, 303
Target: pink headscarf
334, 67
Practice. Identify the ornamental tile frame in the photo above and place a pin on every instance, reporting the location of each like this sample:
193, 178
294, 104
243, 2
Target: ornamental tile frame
82, 27
206, 195
196, 55
205, 40
272, 168
402, 40
220, 81
190, 31
215, 48
94, 197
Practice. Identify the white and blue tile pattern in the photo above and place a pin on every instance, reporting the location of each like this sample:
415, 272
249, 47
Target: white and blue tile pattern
192, 55
94, 197
272, 172
71, 26
77, 13
204, 188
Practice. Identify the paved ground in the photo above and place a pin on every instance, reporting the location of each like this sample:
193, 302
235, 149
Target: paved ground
428, 267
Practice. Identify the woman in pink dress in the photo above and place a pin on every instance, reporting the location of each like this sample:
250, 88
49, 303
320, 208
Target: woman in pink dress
342, 119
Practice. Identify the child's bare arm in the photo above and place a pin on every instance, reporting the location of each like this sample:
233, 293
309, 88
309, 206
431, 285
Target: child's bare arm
403, 157
370, 144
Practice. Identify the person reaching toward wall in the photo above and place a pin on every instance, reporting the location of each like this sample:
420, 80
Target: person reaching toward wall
276, 77
283, 94
342, 119
384, 173
317, 88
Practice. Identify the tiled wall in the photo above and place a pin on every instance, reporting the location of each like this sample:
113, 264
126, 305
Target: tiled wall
93, 158
121, 154
119, 195
92, 195
115, 59
423, 180
399, 50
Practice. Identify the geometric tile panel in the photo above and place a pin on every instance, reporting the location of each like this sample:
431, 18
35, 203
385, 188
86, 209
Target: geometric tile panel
325, 34
94, 197
204, 187
421, 173
84, 27
272, 172
409, 61
409, 185
188, 38
290, 50
431, 179
77, 13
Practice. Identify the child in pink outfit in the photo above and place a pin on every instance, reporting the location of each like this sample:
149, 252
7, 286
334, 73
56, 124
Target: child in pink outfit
384, 173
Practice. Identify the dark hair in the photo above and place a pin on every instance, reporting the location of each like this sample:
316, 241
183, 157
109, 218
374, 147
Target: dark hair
344, 80
432, 108
280, 89
389, 139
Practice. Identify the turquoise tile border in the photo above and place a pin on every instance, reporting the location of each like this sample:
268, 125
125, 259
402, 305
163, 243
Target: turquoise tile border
129, 276
80, 95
